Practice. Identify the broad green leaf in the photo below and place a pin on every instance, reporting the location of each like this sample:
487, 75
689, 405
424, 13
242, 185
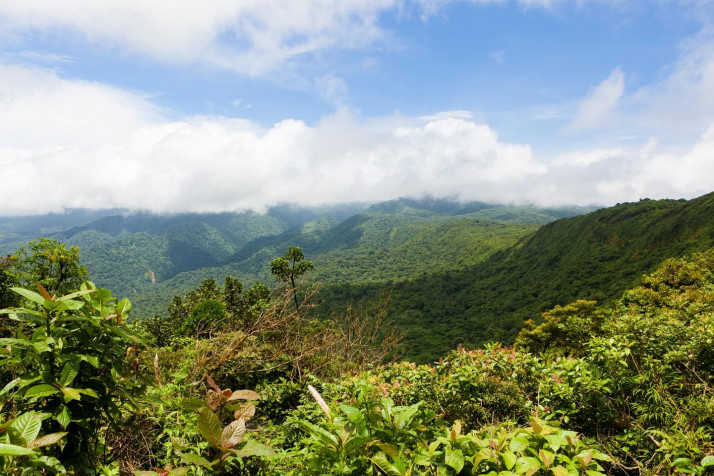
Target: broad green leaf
355, 442
527, 465
28, 425
320, 434
46, 440
559, 471
42, 390
708, 461
51, 464
380, 461
92, 360
123, 307
63, 416
24, 315
69, 372
519, 443
556, 441
389, 449
72, 305
601, 456
404, 418
209, 426
71, 393
121, 332
233, 433
193, 404
454, 458
253, 448
75, 294
41, 346
26, 380
182, 471
14, 450
88, 391
192, 458
30, 295
509, 459
354, 415
12, 384
14, 342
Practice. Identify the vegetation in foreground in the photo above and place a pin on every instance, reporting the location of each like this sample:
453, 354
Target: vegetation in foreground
248, 383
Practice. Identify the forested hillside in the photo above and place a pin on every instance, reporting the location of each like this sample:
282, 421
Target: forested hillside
243, 382
130, 251
456, 273
392, 241
593, 256
154, 257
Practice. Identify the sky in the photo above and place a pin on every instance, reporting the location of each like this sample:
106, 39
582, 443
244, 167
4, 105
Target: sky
230, 105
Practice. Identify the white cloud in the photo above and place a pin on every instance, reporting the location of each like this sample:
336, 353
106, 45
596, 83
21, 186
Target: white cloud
600, 102
134, 158
39, 109
684, 98
332, 89
246, 36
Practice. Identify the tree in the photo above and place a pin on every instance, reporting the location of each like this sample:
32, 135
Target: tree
565, 330
204, 317
288, 267
7, 297
51, 264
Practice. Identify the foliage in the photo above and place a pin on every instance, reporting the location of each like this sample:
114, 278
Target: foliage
289, 267
7, 280
619, 388
565, 329
227, 446
377, 437
69, 362
384, 243
19, 442
51, 264
593, 257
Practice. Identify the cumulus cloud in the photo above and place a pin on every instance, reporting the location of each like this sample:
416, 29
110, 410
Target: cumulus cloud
600, 103
39, 109
138, 159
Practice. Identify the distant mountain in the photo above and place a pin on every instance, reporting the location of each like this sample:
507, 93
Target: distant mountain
593, 256
390, 241
151, 258
130, 251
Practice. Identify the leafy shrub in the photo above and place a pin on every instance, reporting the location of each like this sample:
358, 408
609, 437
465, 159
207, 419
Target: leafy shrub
68, 362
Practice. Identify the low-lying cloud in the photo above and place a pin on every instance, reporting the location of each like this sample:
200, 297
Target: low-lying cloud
119, 151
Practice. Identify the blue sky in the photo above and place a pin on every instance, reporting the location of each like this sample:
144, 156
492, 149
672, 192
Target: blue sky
236, 104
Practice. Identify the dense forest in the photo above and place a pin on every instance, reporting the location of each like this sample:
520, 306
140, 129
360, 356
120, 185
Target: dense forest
604, 366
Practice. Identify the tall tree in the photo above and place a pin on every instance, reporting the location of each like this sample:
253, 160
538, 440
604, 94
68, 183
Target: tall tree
288, 267
51, 264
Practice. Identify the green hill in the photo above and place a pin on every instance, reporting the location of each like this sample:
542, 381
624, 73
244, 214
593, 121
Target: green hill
390, 241
594, 256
